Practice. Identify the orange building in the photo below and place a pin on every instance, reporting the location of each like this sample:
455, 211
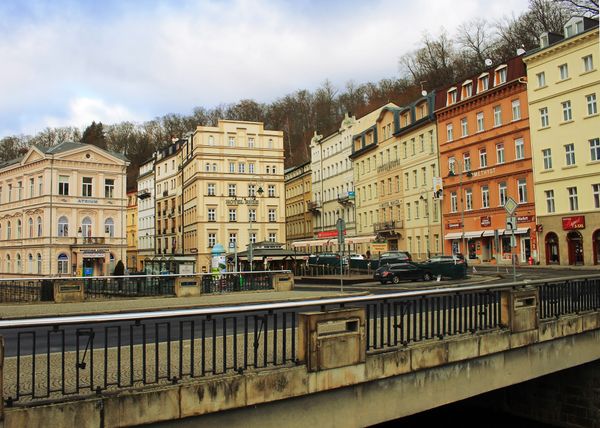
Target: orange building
485, 158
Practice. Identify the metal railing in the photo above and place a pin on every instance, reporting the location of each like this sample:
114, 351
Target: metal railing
50, 358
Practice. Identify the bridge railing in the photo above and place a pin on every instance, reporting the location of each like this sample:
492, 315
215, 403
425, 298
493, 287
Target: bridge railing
52, 358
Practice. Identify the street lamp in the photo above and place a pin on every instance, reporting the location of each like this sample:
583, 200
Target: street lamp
423, 197
462, 202
260, 191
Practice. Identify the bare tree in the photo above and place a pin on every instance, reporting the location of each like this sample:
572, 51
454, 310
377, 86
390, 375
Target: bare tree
583, 7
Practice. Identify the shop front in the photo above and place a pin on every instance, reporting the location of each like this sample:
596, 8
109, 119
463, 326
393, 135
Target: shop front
570, 240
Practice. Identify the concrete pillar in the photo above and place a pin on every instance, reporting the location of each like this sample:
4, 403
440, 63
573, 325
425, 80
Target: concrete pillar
519, 309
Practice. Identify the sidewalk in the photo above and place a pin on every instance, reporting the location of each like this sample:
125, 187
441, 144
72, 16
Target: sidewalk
46, 309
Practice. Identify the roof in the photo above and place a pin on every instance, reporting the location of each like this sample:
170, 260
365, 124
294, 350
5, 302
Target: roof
67, 146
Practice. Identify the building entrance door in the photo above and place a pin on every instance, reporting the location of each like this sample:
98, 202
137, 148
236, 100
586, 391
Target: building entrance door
525, 249
596, 246
575, 246
552, 254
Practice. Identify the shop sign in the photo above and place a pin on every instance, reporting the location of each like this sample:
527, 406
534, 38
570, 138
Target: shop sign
87, 201
378, 248
329, 234
453, 225
525, 218
539, 227
573, 222
485, 221
193, 250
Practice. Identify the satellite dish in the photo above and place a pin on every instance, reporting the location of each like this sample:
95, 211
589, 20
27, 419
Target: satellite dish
488, 62
424, 92
520, 51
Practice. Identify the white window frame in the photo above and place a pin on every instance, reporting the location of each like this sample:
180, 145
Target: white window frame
570, 154
547, 157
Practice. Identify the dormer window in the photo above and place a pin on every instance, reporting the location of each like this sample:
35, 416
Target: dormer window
573, 26
451, 96
544, 41
467, 89
484, 82
500, 75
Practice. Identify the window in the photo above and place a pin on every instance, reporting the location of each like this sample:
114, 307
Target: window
252, 215
109, 188
39, 263
596, 192
408, 213
566, 108
86, 227
466, 162
484, 82
417, 213
251, 190
272, 237
232, 214
468, 200
270, 143
550, 201
109, 227
30, 263
451, 168
212, 214
480, 125
595, 149
63, 185
519, 149
232, 167
274, 169
272, 217
251, 142
499, 154
39, 227
485, 197
212, 239
251, 168
544, 121
18, 267
231, 189
464, 128
325, 174
573, 201
19, 229
451, 96
516, 110
30, 222
63, 226
482, 158
592, 107
570, 154
231, 141
467, 90
522, 190
502, 193
207, 167
241, 168
497, 116
233, 239
31, 187
211, 140
271, 190
449, 132
541, 79
563, 70
8, 230
453, 202
210, 190
500, 75
547, 155
588, 63
86, 186
40, 185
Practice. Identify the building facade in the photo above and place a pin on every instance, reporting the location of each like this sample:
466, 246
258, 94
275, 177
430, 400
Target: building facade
62, 211
131, 231
146, 216
298, 194
485, 158
563, 88
233, 188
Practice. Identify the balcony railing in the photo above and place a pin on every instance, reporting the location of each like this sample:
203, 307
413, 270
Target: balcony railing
314, 206
143, 194
387, 225
95, 240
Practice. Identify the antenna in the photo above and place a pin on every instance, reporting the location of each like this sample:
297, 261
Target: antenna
520, 51
488, 62
423, 91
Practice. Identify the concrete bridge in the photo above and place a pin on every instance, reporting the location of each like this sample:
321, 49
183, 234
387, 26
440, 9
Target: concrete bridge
339, 362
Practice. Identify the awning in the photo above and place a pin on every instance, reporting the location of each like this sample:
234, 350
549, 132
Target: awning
519, 231
311, 243
475, 234
454, 235
359, 239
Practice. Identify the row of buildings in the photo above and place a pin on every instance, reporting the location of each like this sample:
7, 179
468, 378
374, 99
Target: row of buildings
434, 176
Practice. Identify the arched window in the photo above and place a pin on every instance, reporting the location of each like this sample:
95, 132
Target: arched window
19, 228
86, 227
109, 227
214, 167
30, 263
39, 227
111, 263
63, 263
8, 266
30, 227
63, 226
8, 230
19, 268
39, 263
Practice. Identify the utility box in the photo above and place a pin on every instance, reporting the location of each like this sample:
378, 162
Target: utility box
331, 339
283, 281
520, 309
186, 286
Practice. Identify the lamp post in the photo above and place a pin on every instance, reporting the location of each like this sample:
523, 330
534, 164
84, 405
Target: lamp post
423, 197
251, 219
462, 203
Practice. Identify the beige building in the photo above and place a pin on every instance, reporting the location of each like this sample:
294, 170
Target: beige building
298, 195
62, 211
563, 88
373, 129
233, 188
146, 217
132, 232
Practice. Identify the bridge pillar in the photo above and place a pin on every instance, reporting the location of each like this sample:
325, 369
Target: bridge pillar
327, 340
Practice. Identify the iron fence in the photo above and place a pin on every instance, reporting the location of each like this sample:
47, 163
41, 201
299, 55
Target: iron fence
134, 286
15, 290
563, 297
236, 282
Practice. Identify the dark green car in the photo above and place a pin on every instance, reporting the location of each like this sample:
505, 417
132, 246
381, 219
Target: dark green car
454, 267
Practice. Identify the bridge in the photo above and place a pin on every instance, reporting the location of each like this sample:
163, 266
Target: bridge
350, 361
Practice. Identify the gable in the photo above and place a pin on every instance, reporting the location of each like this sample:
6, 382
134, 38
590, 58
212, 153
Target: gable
89, 154
33, 155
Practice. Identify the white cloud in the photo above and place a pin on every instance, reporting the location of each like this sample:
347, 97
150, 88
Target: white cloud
137, 63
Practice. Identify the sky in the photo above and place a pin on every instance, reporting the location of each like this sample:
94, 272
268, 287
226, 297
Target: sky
68, 62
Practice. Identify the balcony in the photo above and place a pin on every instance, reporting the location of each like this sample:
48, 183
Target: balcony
93, 240
143, 194
314, 206
346, 198
165, 193
388, 227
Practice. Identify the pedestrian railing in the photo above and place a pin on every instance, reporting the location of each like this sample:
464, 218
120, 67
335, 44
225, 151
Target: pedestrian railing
50, 358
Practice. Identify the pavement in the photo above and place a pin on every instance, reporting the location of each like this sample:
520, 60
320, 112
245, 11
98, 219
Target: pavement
50, 309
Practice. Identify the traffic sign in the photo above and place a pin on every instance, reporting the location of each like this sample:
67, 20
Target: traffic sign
341, 226
510, 205
511, 223
232, 245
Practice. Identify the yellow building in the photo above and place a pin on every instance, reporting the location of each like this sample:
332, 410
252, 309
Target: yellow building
563, 86
298, 194
62, 211
132, 232
233, 188
367, 156
146, 230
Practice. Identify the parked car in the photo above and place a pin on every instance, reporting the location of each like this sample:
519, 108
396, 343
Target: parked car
401, 271
392, 257
328, 259
454, 266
